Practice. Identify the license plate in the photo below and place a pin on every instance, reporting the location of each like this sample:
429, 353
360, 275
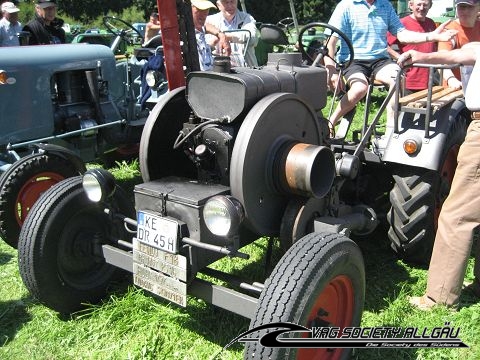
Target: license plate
174, 265
160, 284
159, 232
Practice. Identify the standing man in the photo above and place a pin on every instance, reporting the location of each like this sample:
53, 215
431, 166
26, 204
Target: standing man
460, 213
416, 78
45, 28
366, 23
230, 18
468, 26
9, 25
200, 9
152, 28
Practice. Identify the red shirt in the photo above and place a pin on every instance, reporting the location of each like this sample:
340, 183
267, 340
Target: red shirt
416, 78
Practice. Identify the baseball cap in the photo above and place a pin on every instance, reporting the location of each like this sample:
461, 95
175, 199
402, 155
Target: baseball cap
203, 4
9, 7
468, 2
46, 3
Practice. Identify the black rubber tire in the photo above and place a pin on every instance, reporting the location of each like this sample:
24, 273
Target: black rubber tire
308, 270
59, 254
416, 199
22, 184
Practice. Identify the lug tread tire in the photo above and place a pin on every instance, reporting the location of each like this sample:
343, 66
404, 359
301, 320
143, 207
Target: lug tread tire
309, 261
411, 230
414, 199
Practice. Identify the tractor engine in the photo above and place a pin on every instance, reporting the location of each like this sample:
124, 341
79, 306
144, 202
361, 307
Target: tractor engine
80, 99
221, 99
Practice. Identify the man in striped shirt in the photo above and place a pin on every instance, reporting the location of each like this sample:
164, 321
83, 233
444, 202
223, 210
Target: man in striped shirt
366, 23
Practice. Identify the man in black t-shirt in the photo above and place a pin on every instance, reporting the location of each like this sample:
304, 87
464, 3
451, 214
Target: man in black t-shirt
45, 28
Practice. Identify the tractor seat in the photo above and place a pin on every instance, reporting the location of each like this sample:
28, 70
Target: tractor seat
273, 34
149, 48
154, 42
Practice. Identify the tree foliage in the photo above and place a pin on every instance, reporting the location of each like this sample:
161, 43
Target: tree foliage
271, 11
88, 10
306, 10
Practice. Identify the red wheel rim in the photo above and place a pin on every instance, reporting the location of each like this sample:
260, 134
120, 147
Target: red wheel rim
337, 302
31, 191
446, 178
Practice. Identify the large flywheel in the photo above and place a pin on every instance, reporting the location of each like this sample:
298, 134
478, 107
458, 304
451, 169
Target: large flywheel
157, 156
277, 153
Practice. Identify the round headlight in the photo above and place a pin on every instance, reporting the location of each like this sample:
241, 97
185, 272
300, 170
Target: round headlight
151, 78
98, 184
223, 215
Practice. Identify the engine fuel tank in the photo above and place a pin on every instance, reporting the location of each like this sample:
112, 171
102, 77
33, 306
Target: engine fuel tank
215, 95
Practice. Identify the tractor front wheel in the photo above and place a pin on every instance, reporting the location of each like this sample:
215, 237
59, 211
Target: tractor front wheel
60, 246
319, 282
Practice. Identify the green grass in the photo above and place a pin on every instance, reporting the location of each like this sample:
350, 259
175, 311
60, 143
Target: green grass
132, 324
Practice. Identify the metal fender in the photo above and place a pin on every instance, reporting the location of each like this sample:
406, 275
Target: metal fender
412, 126
64, 153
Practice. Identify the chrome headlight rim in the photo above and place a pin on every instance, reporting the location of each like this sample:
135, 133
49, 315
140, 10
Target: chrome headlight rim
98, 184
152, 79
223, 215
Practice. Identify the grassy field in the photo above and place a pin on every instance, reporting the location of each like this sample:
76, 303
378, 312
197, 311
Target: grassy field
132, 324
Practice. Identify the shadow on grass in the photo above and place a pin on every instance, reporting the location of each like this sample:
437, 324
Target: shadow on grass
5, 258
385, 276
13, 315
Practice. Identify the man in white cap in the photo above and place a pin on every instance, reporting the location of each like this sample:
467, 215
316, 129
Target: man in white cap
200, 9
9, 25
45, 28
230, 18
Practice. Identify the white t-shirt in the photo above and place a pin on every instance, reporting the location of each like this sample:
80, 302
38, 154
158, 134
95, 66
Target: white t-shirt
472, 99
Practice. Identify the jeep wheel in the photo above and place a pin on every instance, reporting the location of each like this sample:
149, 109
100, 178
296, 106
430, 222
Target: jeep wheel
320, 281
22, 184
59, 250
417, 198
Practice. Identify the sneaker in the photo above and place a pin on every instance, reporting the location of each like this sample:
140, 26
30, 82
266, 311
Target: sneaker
423, 303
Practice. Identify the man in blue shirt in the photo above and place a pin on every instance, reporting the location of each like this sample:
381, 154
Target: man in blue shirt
366, 23
9, 25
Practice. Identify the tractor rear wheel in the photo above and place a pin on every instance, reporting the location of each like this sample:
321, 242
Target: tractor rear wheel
21, 186
417, 198
320, 281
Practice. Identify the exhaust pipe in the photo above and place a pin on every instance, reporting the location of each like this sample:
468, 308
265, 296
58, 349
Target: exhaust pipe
307, 170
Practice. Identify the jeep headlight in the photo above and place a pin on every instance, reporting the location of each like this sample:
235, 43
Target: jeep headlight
223, 215
98, 184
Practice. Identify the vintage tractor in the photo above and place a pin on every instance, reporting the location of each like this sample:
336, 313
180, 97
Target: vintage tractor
234, 155
63, 106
